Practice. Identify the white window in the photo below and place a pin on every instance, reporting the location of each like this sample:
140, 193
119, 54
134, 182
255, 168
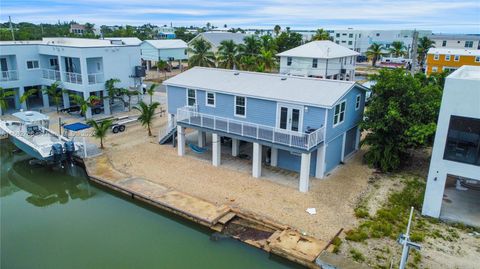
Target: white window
339, 115
240, 106
289, 61
447, 57
436, 57
32, 65
191, 97
456, 58
477, 59
314, 63
210, 99
434, 69
357, 102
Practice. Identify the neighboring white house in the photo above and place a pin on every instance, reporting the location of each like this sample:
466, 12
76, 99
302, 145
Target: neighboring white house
215, 38
456, 41
131, 41
321, 59
456, 151
80, 65
164, 49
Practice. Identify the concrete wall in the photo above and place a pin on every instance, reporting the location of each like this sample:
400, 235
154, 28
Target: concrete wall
333, 155
149, 52
292, 161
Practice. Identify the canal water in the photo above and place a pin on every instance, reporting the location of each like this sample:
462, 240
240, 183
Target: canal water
56, 218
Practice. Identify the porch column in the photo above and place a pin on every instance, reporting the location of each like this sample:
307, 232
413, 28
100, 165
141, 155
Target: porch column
45, 99
216, 149
274, 157
17, 99
88, 114
432, 203
320, 167
106, 104
342, 158
304, 172
181, 140
257, 160
66, 100
235, 147
202, 138
84, 70
21, 91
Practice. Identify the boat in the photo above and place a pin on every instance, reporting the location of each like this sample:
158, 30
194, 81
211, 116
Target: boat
30, 133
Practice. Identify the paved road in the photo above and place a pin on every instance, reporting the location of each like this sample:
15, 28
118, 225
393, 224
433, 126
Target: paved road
160, 88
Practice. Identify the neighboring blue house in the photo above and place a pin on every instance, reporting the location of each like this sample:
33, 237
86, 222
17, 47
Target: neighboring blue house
165, 50
301, 124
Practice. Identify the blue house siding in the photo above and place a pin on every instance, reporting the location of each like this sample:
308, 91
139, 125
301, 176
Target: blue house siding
334, 153
313, 117
149, 52
352, 116
287, 160
176, 54
176, 98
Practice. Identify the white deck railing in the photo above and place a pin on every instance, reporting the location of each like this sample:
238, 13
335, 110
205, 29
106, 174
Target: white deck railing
9, 75
95, 78
51, 74
75, 78
266, 133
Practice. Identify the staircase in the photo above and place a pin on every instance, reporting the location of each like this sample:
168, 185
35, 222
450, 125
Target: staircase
166, 135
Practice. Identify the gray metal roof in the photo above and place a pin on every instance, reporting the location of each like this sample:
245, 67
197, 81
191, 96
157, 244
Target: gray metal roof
324, 49
310, 91
217, 37
455, 37
167, 43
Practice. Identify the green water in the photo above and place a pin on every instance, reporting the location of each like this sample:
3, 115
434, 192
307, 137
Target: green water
55, 218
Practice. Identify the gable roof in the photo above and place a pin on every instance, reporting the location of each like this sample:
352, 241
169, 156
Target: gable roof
168, 43
126, 40
463, 52
324, 49
215, 38
309, 91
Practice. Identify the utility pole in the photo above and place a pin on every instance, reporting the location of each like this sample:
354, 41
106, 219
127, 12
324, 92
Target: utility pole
404, 239
413, 69
11, 27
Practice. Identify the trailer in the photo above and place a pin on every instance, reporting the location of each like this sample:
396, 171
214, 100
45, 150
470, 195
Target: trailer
120, 125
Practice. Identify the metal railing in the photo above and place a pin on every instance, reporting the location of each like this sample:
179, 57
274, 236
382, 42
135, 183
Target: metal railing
171, 125
270, 134
95, 78
75, 78
9, 75
51, 74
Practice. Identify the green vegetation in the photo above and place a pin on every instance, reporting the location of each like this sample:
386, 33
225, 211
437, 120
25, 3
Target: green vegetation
337, 242
151, 91
228, 56
84, 104
374, 52
147, 113
424, 44
55, 93
100, 129
401, 116
357, 255
321, 34
4, 96
201, 54
397, 49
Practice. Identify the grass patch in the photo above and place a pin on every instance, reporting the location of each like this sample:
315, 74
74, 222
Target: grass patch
337, 242
357, 255
361, 212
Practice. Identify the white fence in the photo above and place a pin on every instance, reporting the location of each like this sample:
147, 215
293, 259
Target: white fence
251, 130
9, 75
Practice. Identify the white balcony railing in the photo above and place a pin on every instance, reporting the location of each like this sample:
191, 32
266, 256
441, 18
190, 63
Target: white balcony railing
75, 78
95, 78
51, 74
9, 75
305, 141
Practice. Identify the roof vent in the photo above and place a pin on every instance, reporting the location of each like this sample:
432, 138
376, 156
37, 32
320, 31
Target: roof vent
236, 73
284, 78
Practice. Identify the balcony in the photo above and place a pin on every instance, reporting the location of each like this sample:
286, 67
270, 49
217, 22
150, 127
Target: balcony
9, 75
51, 74
95, 78
303, 141
74, 78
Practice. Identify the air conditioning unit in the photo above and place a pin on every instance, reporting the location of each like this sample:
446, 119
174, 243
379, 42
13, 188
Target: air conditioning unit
343, 71
139, 71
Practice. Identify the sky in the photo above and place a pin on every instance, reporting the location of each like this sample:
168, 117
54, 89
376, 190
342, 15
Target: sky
446, 16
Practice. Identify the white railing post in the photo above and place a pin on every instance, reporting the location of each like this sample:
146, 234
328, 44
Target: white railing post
214, 123
228, 126
241, 124
258, 130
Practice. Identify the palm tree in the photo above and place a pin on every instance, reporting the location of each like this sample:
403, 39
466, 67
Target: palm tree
375, 51
27, 94
84, 104
129, 94
397, 49
268, 43
146, 114
151, 91
424, 44
248, 62
201, 54
3, 99
112, 91
161, 65
267, 59
277, 29
228, 54
251, 46
55, 93
321, 34
100, 130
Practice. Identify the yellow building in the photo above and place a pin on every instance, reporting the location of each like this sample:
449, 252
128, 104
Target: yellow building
445, 59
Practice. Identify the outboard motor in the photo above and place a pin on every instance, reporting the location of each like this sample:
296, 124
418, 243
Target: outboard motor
69, 149
57, 152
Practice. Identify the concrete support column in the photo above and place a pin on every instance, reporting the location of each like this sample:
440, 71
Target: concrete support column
274, 157
257, 160
45, 99
21, 91
106, 103
357, 138
304, 172
320, 167
235, 147
17, 99
181, 140
432, 203
342, 158
84, 70
86, 95
216, 150
66, 100
202, 138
